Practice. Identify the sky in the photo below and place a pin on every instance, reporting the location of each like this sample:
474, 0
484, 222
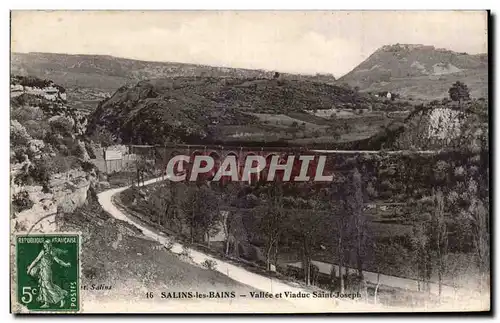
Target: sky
288, 41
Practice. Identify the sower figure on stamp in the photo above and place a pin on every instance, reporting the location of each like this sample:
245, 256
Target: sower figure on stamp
41, 268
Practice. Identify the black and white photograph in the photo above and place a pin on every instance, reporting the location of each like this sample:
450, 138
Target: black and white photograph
250, 162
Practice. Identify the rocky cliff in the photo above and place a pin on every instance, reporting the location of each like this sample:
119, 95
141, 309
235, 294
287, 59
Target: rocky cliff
50, 172
67, 191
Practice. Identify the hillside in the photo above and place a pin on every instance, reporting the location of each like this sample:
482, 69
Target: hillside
195, 109
44, 128
419, 71
50, 170
53, 189
91, 78
117, 254
282, 112
434, 126
89, 70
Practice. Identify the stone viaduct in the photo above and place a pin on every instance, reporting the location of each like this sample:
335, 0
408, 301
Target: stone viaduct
162, 154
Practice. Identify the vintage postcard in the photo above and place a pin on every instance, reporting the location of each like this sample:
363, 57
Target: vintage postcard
249, 162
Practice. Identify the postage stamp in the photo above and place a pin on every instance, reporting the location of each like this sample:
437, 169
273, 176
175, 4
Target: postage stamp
48, 271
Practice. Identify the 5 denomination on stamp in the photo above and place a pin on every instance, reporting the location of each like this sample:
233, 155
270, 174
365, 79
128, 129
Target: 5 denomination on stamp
48, 271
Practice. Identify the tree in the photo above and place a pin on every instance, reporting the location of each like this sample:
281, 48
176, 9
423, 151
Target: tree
270, 219
334, 230
229, 195
160, 200
459, 92
173, 213
333, 131
308, 229
62, 125
421, 242
336, 204
476, 218
377, 286
346, 127
141, 166
225, 227
201, 211
353, 206
441, 235
21, 201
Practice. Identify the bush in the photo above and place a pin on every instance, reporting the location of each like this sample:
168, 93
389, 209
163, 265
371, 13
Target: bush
37, 129
19, 154
90, 150
62, 125
87, 166
21, 201
209, 264
76, 149
103, 137
58, 163
185, 252
53, 139
18, 134
169, 244
42, 169
31, 81
40, 173
27, 113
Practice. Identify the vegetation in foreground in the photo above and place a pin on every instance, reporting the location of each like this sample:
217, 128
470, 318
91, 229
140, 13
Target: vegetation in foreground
116, 254
436, 229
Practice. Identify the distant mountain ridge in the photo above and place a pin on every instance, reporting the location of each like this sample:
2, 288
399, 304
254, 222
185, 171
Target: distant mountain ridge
109, 72
419, 71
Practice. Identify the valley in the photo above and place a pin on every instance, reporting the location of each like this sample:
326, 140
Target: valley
411, 166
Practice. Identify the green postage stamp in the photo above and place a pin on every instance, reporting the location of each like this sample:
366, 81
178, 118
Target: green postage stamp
48, 272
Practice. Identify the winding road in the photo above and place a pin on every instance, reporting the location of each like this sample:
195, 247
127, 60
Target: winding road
268, 284
259, 282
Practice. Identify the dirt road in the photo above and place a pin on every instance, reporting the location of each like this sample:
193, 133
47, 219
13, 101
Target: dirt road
260, 283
